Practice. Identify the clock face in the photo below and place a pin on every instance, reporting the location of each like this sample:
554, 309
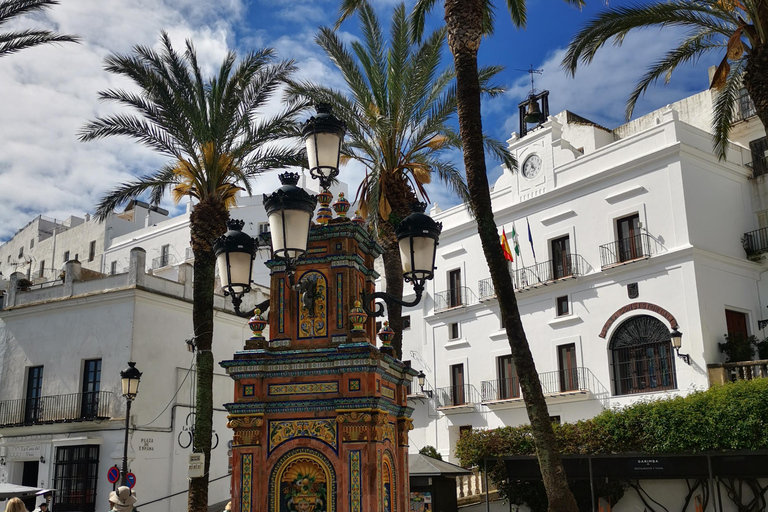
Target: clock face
531, 166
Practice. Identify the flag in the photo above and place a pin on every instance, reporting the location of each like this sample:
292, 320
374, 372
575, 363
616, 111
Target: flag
505, 246
530, 238
514, 241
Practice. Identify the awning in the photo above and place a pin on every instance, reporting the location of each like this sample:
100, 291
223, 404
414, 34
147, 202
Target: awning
421, 465
17, 491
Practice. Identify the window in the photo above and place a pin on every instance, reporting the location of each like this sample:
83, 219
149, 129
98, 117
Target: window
33, 404
42, 269
555, 419
758, 148
165, 252
561, 257
561, 305
453, 331
629, 240
263, 227
113, 268
457, 384
566, 365
66, 256
32, 244
508, 386
91, 384
75, 477
92, 250
77, 257
454, 288
464, 429
736, 323
746, 105
406, 322
641, 353
21, 252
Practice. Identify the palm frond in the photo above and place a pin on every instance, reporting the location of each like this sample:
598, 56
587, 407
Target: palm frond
725, 102
156, 184
12, 42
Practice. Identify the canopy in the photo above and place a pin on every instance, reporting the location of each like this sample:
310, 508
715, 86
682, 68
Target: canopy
17, 491
421, 465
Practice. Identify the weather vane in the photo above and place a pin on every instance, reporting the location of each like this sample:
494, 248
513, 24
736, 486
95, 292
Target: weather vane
531, 71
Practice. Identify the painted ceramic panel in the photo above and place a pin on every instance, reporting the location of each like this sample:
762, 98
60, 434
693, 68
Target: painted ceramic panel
317, 326
355, 481
321, 429
303, 481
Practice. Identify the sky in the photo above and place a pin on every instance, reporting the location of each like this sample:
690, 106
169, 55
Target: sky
50, 92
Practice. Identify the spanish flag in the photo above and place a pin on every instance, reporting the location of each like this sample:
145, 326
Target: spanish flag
505, 246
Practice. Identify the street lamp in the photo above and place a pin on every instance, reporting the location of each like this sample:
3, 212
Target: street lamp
235, 252
130, 380
323, 134
418, 236
422, 379
676, 337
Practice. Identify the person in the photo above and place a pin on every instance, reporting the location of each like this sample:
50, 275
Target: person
122, 499
15, 505
42, 507
228, 508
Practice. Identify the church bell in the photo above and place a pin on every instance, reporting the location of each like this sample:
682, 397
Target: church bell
533, 113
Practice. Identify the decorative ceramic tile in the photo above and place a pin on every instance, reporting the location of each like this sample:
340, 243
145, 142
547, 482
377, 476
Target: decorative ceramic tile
317, 325
248, 390
246, 478
321, 429
354, 384
388, 392
339, 301
281, 306
303, 388
287, 483
355, 479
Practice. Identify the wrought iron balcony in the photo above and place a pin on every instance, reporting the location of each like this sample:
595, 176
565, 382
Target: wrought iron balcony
189, 254
560, 382
755, 242
485, 288
454, 298
457, 396
163, 261
626, 250
55, 409
569, 266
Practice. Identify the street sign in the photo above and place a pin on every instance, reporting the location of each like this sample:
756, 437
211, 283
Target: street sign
130, 479
113, 474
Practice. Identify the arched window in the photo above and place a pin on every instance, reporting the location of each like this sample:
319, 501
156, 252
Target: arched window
641, 354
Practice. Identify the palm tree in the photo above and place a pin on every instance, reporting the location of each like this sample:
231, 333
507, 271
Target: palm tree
736, 29
216, 142
467, 21
398, 115
12, 42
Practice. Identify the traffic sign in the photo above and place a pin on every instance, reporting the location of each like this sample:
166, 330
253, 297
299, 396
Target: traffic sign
113, 474
130, 479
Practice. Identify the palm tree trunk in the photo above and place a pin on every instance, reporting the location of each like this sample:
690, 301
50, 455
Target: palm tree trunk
207, 222
755, 80
463, 19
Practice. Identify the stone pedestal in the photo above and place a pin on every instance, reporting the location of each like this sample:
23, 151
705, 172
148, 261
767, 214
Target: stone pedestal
320, 416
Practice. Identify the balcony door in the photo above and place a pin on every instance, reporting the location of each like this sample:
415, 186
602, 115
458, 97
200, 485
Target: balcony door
454, 288
457, 385
629, 240
91, 384
33, 403
508, 386
561, 250
566, 362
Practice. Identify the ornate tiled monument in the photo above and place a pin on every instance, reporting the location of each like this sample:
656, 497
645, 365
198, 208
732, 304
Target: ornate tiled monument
320, 414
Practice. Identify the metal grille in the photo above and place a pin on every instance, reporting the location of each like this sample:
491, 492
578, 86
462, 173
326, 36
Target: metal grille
76, 474
453, 298
758, 148
55, 409
642, 357
755, 242
626, 250
457, 395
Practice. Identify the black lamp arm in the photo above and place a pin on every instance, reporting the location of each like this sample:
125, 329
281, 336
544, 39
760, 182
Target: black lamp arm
237, 301
389, 299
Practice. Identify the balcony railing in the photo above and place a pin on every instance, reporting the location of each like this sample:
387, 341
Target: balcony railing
163, 261
454, 298
55, 409
189, 254
720, 373
755, 242
570, 265
552, 383
454, 396
470, 489
485, 288
626, 250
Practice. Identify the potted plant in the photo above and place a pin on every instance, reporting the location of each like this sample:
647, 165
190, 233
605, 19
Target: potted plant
738, 347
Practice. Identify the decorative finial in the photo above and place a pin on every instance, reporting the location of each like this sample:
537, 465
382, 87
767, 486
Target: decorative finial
324, 212
341, 206
358, 316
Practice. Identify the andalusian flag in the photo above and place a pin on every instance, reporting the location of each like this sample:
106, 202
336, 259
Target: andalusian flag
505, 246
514, 240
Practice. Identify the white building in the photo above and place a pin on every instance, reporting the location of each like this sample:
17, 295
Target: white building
637, 231
62, 414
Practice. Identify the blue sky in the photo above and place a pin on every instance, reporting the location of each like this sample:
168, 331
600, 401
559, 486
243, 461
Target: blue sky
50, 92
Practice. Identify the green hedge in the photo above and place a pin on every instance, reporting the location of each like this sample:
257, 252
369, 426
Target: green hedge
728, 417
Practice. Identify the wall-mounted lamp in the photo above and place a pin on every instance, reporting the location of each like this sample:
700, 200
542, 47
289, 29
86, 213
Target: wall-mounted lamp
422, 379
2, 461
42, 460
677, 341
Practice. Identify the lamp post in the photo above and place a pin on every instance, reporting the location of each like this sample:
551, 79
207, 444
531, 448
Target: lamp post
323, 134
422, 379
235, 252
417, 236
676, 337
130, 379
